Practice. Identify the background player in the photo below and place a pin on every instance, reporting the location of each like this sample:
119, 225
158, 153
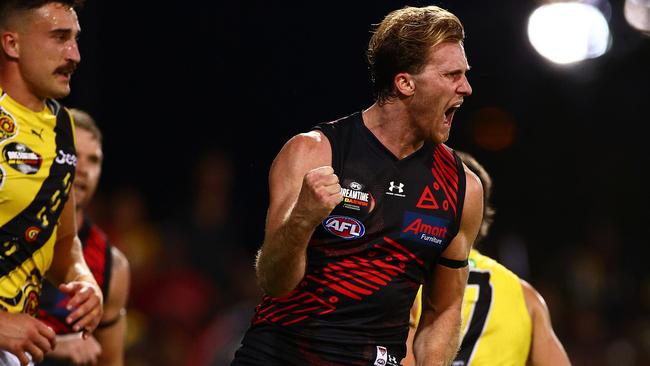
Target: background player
38, 54
108, 264
505, 320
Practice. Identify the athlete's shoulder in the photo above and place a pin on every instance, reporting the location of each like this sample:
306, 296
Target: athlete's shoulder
120, 261
306, 144
534, 300
344, 121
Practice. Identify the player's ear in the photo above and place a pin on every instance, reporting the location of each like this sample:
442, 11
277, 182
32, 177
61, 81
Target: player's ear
9, 43
404, 84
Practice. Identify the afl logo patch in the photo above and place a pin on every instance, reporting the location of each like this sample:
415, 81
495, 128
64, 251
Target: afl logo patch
31, 234
22, 158
7, 125
356, 186
344, 227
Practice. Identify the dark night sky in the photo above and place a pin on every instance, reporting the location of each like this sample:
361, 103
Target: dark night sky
167, 83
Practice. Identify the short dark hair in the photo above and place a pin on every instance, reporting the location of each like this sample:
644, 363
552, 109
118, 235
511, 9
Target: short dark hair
85, 121
486, 181
9, 7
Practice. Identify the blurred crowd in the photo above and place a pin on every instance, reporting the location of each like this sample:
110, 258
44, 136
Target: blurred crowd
194, 289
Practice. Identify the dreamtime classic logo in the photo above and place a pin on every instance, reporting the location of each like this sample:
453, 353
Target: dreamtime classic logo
21, 158
355, 198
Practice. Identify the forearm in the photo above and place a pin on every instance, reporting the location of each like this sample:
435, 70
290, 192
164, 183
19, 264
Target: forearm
70, 265
282, 260
437, 344
112, 340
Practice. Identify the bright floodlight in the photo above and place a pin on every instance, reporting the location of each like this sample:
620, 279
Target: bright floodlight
637, 13
568, 32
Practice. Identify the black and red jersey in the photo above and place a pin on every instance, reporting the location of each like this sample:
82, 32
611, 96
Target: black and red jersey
366, 260
97, 253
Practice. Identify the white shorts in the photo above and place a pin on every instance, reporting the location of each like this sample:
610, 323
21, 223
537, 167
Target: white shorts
8, 359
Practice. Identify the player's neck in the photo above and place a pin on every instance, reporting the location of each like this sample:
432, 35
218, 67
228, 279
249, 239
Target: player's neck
16, 87
389, 124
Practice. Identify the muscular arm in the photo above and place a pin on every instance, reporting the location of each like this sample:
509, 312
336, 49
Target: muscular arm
303, 191
71, 273
438, 334
546, 349
68, 263
106, 346
112, 337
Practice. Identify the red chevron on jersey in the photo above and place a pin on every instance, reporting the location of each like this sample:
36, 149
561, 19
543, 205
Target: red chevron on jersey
445, 172
353, 278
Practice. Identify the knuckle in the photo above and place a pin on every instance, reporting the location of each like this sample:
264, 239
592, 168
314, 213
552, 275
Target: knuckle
14, 348
37, 355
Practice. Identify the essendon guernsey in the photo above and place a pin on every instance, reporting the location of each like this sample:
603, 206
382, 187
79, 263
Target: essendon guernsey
367, 258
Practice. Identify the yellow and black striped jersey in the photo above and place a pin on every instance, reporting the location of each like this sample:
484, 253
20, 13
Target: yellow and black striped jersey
37, 166
497, 327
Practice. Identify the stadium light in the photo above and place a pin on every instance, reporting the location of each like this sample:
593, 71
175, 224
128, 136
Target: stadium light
637, 14
569, 32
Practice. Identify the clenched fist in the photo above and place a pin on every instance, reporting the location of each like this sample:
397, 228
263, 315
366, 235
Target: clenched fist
319, 194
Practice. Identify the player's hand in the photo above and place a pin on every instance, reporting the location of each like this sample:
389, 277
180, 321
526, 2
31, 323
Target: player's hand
319, 194
85, 304
22, 333
75, 350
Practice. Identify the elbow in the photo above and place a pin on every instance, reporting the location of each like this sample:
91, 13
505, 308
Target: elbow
277, 278
277, 292
271, 288
274, 287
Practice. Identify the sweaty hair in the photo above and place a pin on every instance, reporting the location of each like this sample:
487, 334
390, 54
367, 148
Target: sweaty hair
9, 7
401, 43
84, 121
486, 181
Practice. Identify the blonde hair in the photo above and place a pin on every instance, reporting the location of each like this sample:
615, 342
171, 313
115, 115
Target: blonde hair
401, 43
84, 121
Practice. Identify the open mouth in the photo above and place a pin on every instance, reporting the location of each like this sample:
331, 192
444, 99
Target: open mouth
64, 75
65, 71
449, 114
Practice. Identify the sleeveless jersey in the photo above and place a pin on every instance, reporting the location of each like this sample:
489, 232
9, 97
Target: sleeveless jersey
366, 260
97, 253
497, 328
37, 167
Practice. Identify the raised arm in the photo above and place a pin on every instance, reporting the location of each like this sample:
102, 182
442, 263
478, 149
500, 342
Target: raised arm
546, 349
438, 334
303, 191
